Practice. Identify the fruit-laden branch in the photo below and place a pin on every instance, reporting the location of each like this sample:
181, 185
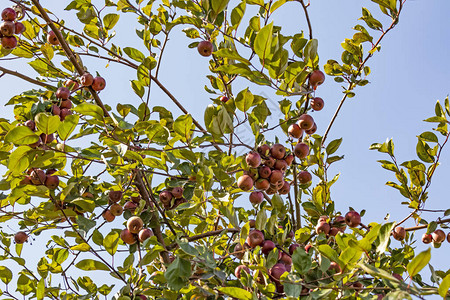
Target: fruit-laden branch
69, 53
134, 66
26, 78
139, 183
351, 86
203, 235
425, 226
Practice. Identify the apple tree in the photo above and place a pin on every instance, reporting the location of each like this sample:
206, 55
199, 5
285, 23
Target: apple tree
140, 202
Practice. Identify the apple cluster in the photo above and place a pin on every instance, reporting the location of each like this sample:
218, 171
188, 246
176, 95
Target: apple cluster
9, 27
256, 238
135, 231
266, 172
437, 237
172, 198
97, 83
39, 177
115, 209
63, 105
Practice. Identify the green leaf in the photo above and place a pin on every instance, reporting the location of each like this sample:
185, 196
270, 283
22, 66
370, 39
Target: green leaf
236, 292
231, 54
21, 135
46, 123
89, 109
183, 126
91, 265
5, 274
444, 286
111, 242
261, 220
110, 20
40, 289
83, 247
419, 262
428, 137
263, 41
219, 5
328, 252
301, 260
422, 152
177, 274
333, 146
134, 54
67, 126
237, 14
18, 160
383, 237
244, 100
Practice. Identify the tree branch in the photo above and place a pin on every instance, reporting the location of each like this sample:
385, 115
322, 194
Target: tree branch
26, 78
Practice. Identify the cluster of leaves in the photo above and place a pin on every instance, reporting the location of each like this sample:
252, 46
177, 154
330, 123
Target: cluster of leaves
145, 150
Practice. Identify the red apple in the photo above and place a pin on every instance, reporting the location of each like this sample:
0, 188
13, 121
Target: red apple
253, 159
7, 28
278, 151
304, 177
316, 78
305, 122
135, 224
9, 42
399, 233
20, 237
99, 83
144, 234
438, 236
63, 93
317, 103
256, 198
312, 130
301, 150
52, 39
295, 131
255, 238
86, 79
52, 182
352, 218
245, 182
127, 237
205, 48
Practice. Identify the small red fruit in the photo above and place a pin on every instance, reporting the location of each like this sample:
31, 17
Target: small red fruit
144, 234
245, 182
285, 259
255, 238
256, 198
335, 267
278, 151
224, 99
9, 42
304, 177
301, 150
284, 190
20, 237
205, 48
316, 78
276, 271
352, 218
427, 238
86, 79
63, 93
399, 233
127, 237
438, 236
31, 124
292, 248
38, 177
269, 162
323, 227
317, 103
99, 83
9, 14
305, 122
47, 138
264, 150
52, 182
312, 130
64, 113
52, 39
267, 246
56, 111
66, 104
135, 224
177, 192
115, 196
7, 28
281, 165
131, 206
116, 209
165, 197
71, 84
108, 216
295, 131
276, 177
262, 184
253, 159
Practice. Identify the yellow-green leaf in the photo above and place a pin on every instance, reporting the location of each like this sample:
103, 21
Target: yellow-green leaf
419, 262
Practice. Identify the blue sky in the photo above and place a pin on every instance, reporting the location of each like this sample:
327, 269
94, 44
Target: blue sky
410, 73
